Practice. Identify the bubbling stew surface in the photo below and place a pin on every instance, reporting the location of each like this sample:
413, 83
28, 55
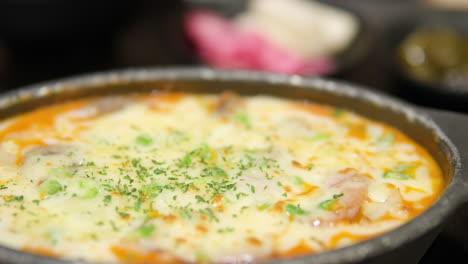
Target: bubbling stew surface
176, 177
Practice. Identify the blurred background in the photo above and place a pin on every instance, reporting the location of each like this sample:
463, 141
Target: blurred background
414, 49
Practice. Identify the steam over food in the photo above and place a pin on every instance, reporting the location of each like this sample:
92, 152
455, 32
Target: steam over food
174, 177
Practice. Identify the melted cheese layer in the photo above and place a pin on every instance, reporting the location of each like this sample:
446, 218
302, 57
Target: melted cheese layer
204, 178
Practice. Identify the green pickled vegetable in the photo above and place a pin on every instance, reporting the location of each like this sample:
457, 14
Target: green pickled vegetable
437, 55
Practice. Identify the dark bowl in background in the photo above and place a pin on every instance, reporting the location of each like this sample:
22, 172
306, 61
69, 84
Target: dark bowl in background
346, 60
422, 92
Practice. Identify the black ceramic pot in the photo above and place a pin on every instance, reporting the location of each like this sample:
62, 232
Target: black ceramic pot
437, 131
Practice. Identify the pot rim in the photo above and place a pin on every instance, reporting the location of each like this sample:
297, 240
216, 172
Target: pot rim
430, 219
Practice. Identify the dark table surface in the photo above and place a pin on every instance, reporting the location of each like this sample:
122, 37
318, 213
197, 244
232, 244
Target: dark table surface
149, 36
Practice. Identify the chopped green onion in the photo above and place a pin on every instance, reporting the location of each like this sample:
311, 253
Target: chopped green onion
145, 231
320, 137
338, 112
336, 196
90, 191
186, 161
264, 206
123, 214
403, 167
239, 195
292, 209
298, 180
384, 142
327, 204
155, 162
209, 213
204, 153
50, 187
59, 173
243, 118
150, 188
214, 171
200, 199
107, 199
396, 175
159, 171
144, 140
185, 212
218, 172
177, 136
137, 205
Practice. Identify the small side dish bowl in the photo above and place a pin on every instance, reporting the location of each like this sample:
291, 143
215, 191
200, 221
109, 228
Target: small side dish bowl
429, 55
310, 38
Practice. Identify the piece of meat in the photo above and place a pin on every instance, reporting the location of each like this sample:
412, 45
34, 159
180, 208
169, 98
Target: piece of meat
7, 158
52, 149
102, 106
353, 185
109, 104
240, 258
47, 150
227, 103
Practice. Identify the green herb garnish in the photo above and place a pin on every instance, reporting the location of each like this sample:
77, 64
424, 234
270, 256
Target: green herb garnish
209, 213
200, 199
327, 204
297, 210
107, 199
